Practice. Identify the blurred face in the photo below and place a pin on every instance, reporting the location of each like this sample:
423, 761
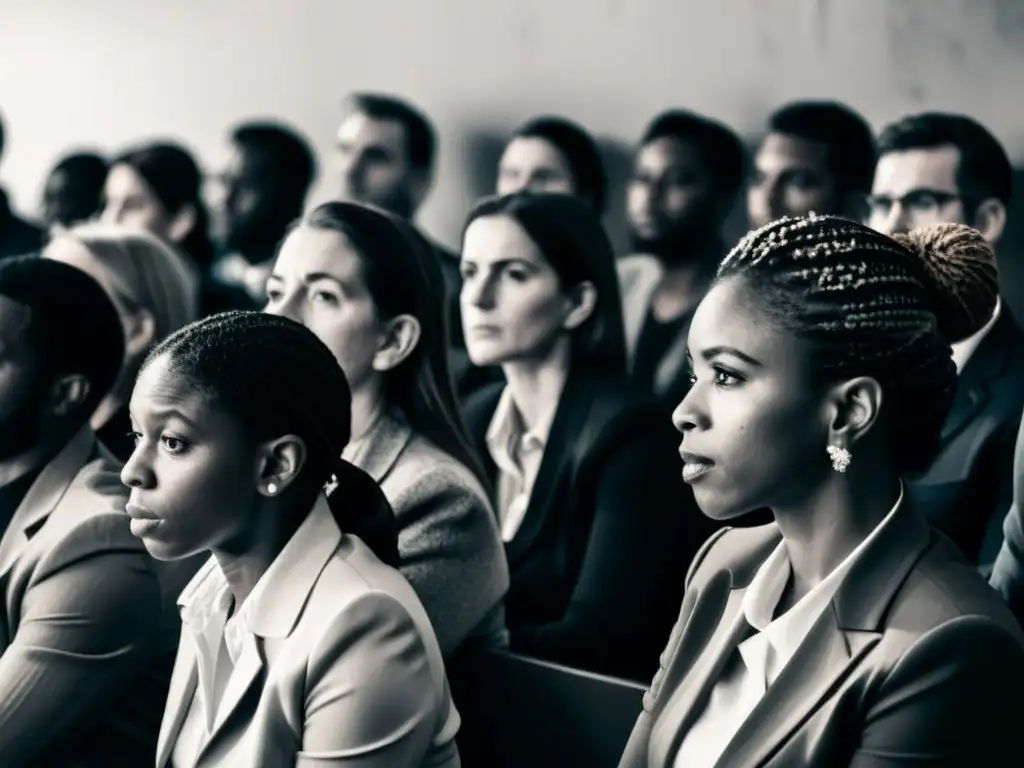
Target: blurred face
792, 177
66, 201
193, 475
252, 208
513, 306
70, 251
752, 429
670, 199
532, 163
374, 162
129, 201
914, 188
23, 395
317, 281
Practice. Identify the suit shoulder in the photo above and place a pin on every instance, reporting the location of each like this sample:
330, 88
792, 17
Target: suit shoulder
941, 588
423, 473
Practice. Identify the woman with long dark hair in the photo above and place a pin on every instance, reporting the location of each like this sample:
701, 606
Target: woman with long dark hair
369, 286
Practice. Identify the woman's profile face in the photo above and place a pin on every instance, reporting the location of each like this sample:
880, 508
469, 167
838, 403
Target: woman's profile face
128, 201
317, 280
512, 303
754, 430
193, 475
533, 163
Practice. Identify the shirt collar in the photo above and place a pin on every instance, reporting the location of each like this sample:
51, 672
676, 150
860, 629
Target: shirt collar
507, 429
274, 603
785, 632
963, 350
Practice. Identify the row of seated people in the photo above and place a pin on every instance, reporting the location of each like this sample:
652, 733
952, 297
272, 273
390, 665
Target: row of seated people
316, 596
688, 172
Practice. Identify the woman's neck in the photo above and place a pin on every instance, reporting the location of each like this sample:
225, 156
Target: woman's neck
367, 406
822, 532
536, 385
244, 565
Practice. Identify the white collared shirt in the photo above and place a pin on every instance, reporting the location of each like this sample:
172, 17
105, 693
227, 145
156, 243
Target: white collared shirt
518, 454
205, 607
746, 678
963, 350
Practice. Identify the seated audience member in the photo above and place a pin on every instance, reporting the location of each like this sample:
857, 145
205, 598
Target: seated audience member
299, 645
1008, 571
938, 167
158, 187
265, 186
74, 190
848, 632
598, 527
367, 284
17, 236
155, 292
687, 174
817, 157
79, 600
387, 151
553, 154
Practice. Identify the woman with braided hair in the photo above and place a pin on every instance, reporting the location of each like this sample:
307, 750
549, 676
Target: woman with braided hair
847, 632
370, 287
240, 420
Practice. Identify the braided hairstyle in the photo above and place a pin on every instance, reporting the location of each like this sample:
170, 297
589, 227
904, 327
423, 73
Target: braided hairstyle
878, 306
278, 378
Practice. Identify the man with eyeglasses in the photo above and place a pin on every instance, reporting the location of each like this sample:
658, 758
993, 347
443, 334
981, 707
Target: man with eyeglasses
941, 167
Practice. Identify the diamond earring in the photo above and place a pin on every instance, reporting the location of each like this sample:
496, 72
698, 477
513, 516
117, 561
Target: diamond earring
840, 457
271, 488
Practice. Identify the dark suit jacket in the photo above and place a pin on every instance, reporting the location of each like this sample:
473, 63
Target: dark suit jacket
968, 489
915, 662
17, 236
598, 563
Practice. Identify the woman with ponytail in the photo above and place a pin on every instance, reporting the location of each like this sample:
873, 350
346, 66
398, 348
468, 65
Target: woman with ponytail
240, 421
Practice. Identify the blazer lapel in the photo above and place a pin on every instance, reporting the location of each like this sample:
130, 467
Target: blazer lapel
559, 456
710, 658
184, 679
851, 625
974, 390
243, 676
671, 362
43, 495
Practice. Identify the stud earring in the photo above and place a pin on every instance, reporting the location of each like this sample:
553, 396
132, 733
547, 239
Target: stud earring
271, 488
840, 457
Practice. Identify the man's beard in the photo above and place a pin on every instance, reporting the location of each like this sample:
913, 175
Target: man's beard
19, 424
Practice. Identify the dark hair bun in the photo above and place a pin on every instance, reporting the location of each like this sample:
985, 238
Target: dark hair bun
961, 276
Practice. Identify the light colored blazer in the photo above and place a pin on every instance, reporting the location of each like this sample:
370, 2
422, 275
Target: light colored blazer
451, 550
339, 667
639, 276
80, 612
915, 662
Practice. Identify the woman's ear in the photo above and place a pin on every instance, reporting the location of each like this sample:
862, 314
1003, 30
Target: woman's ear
140, 332
398, 341
583, 301
855, 406
181, 223
279, 462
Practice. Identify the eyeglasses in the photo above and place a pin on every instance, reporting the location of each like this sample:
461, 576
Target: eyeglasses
922, 201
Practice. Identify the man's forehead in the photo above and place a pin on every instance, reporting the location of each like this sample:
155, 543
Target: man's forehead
903, 170
15, 318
